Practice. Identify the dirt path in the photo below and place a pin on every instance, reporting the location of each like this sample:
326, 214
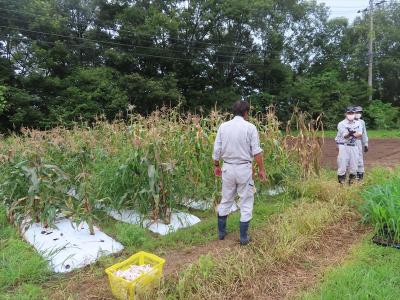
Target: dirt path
176, 260
85, 285
287, 279
383, 152
283, 280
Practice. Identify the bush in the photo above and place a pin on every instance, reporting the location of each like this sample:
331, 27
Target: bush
383, 115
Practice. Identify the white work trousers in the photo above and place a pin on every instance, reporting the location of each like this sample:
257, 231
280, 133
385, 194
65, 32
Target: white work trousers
348, 157
237, 179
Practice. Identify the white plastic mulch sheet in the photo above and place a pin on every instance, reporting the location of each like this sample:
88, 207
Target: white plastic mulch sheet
208, 204
197, 204
67, 247
178, 220
277, 190
204, 204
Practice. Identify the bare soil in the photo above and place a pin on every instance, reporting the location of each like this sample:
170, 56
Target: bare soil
382, 152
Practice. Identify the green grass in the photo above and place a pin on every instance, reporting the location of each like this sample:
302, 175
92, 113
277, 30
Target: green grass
19, 264
371, 272
372, 134
26, 291
382, 208
136, 238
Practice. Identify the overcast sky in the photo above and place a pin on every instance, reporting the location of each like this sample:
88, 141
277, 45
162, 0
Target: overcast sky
345, 8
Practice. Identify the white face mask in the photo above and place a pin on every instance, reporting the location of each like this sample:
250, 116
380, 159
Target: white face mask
350, 117
358, 116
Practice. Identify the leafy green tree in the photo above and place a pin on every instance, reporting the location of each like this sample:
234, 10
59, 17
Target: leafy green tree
147, 94
3, 101
88, 93
383, 115
327, 93
68, 60
23, 109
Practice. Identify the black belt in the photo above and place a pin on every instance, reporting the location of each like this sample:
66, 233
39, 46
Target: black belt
242, 163
351, 145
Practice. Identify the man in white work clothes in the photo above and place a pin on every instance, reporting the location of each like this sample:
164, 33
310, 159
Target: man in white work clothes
349, 130
237, 144
362, 144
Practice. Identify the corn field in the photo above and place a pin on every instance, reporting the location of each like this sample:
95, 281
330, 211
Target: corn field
149, 164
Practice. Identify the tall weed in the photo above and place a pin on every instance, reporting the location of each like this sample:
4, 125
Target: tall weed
382, 208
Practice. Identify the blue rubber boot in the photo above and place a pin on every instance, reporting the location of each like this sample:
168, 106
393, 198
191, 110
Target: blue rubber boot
244, 237
222, 227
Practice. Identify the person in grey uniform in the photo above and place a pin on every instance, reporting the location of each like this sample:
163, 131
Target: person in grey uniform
349, 130
237, 144
362, 144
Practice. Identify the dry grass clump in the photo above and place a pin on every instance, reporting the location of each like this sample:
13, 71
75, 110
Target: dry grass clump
306, 141
324, 188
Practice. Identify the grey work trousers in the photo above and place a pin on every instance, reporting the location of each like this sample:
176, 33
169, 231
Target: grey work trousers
360, 165
348, 158
237, 179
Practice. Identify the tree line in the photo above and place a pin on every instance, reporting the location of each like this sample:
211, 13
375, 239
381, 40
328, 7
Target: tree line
67, 61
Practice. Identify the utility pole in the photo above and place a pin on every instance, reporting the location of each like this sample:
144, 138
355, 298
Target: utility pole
371, 44
370, 48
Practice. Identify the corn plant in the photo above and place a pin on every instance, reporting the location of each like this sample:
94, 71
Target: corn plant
34, 190
83, 202
307, 144
79, 206
277, 158
149, 164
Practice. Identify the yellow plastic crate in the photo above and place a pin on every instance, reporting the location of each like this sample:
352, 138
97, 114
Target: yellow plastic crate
123, 289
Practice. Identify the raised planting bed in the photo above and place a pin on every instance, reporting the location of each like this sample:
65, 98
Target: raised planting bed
68, 246
203, 204
178, 220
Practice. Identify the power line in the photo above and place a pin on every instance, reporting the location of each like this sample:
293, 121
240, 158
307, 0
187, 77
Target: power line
342, 11
144, 47
352, 7
79, 47
123, 44
135, 46
139, 33
88, 39
104, 42
171, 38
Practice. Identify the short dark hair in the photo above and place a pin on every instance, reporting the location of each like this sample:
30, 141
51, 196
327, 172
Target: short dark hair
240, 107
